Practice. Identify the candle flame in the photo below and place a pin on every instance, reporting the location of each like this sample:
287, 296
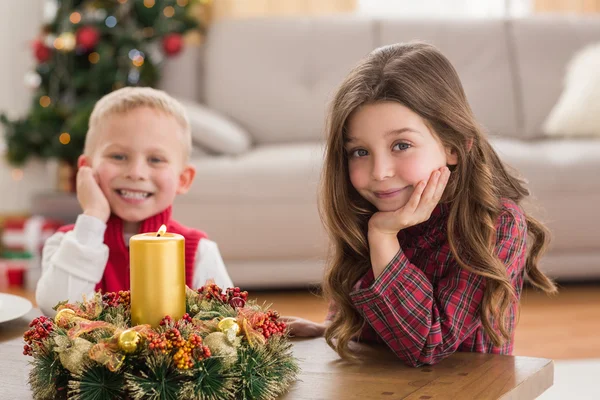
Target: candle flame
162, 230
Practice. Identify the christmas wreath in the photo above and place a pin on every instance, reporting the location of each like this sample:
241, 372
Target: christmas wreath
224, 347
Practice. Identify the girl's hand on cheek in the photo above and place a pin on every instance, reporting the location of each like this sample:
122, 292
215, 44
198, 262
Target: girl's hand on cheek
419, 207
90, 196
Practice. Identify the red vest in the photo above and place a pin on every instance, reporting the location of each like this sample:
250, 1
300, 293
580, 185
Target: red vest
116, 274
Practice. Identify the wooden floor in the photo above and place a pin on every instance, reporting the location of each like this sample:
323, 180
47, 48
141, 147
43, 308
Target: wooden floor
565, 326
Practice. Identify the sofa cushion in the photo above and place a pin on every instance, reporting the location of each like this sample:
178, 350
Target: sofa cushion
577, 112
275, 76
278, 172
214, 132
479, 52
543, 47
262, 204
563, 178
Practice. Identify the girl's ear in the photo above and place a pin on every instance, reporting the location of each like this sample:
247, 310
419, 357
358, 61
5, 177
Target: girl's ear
451, 156
186, 177
469, 145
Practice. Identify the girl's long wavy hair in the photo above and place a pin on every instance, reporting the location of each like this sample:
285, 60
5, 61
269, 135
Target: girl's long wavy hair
419, 77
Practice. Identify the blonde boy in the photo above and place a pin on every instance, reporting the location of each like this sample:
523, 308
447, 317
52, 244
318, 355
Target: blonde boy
135, 162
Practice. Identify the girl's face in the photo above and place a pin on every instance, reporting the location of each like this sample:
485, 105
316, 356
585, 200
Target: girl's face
390, 150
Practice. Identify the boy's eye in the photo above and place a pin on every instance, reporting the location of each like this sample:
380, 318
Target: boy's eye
359, 153
401, 146
155, 160
118, 157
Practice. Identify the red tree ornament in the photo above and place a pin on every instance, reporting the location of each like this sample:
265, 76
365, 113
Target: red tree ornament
87, 37
40, 51
172, 43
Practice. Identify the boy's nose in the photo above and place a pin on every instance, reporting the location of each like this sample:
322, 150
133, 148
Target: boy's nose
137, 171
382, 168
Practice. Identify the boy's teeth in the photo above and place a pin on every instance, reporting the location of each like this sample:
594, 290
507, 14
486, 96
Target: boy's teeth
133, 195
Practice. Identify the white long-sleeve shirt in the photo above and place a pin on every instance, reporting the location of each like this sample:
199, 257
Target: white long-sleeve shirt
74, 262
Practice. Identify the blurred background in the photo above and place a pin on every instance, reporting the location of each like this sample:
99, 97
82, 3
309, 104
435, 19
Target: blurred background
255, 77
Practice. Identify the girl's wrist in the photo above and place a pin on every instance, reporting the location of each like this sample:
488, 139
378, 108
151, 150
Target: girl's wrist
382, 248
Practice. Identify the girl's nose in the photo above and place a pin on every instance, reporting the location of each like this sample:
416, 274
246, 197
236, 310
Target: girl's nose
383, 168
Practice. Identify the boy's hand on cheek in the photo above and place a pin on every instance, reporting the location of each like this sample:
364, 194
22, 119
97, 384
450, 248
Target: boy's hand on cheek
423, 200
90, 196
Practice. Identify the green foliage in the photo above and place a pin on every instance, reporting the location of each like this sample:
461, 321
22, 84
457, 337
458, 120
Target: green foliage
74, 79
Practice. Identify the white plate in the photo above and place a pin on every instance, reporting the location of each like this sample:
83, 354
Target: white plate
13, 307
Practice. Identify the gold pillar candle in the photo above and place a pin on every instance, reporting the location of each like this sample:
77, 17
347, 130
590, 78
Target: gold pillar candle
157, 275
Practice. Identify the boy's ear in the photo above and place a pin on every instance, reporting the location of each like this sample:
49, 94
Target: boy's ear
83, 161
186, 177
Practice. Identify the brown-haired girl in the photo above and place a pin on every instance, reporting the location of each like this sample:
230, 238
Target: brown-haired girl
429, 241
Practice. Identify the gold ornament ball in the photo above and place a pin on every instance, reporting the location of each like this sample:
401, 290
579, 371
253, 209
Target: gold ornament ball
227, 324
129, 340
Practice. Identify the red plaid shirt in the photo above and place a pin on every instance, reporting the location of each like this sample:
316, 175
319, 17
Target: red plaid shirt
424, 306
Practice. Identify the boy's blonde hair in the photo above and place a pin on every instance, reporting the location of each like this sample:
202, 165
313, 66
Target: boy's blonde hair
131, 98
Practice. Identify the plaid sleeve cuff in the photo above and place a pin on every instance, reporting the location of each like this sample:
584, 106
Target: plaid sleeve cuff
385, 282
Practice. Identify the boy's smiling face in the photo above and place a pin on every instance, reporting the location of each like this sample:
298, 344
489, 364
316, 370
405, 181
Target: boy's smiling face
139, 160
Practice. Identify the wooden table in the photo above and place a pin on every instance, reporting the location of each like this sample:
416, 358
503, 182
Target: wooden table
324, 376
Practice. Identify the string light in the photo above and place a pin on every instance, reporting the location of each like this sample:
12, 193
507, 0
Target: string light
111, 22
138, 61
148, 31
94, 57
45, 101
169, 11
59, 43
64, 138
17, 174
75, 17
149, 3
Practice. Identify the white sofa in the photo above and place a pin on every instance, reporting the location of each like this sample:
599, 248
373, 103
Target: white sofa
273, 79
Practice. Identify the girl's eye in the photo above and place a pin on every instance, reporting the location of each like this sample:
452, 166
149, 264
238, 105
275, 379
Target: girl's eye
359, 153
118, 157
155, 160
401, 146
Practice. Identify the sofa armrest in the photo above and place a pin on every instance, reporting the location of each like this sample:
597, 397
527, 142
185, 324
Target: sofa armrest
215, 132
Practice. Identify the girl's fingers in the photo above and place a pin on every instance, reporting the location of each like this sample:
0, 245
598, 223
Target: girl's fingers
443, 181
415, 198
432, 184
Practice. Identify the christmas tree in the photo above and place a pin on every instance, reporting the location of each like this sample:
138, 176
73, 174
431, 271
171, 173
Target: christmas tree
87, 49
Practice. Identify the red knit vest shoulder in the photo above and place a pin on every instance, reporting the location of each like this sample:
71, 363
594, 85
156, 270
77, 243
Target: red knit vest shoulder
116, 274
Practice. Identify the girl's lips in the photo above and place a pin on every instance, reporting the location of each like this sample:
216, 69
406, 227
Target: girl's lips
388, 193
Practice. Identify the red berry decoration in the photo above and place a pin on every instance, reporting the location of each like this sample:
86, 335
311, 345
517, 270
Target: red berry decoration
115, 299
40, 329
212, 291
268, 325
40, 51
87, 37
172, 43
186, 317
